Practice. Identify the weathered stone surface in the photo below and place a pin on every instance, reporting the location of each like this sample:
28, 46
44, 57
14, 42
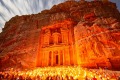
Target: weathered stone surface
95, 29
97, 43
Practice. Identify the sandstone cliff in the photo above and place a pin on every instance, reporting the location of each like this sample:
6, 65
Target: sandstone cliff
96, 34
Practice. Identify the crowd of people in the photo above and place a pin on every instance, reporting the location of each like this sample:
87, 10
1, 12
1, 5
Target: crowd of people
60, 73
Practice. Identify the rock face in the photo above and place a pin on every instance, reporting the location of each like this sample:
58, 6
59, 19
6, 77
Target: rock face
97, 44
95, 35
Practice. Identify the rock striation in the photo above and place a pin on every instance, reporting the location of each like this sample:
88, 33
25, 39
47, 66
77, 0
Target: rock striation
95, 27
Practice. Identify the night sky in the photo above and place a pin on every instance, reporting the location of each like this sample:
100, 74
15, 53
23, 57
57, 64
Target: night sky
10, 8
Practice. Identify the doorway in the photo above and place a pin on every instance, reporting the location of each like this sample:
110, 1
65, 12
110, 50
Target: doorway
57, 60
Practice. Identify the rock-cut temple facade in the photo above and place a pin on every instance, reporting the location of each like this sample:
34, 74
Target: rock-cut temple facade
56, 45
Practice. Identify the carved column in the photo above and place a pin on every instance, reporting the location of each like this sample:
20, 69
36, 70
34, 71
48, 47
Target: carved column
47, 58
42, 59
63, 58
59, 58
52, 58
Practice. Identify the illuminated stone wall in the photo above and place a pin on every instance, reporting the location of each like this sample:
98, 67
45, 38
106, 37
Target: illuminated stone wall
96, 45
56, 45
86, 44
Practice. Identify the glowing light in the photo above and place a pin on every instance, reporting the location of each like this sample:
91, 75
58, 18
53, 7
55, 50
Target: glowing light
75, 72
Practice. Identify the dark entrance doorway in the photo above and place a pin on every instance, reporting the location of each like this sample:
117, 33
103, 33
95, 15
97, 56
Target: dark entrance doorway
57, 60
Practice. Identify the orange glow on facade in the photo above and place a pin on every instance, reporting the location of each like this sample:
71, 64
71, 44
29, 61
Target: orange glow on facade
56, 45
63, 43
